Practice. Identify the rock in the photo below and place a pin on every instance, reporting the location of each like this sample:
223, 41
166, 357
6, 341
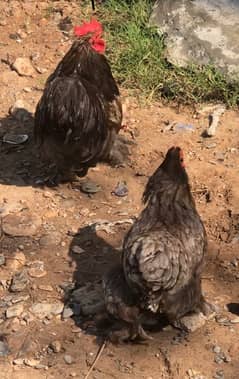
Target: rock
19, 281
22, 224
121, 189
55, 346
20, 111
16, 261
219, 375
36, 269
18, 361
84, 212
31, 362
14, 311
77, 249
46, 287
216, 349
2, 259
190, 323
43, 310
23, 67
68, 359
200, 32
4, 349
89, 187
67, 312
52, 239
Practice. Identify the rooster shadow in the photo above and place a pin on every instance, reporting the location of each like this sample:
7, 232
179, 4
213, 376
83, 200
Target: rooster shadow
20, 163
92, 259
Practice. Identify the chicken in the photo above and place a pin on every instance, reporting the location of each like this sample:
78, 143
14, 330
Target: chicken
79, 115
163, 253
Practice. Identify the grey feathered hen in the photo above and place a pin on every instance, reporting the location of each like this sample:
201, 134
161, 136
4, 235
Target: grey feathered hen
164, 250
163, 256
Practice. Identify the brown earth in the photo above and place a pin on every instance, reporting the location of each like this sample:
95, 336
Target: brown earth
212, 165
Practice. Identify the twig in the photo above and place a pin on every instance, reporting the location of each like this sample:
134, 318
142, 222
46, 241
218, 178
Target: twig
97, 357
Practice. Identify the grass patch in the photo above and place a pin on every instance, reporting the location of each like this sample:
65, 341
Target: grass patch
137, 56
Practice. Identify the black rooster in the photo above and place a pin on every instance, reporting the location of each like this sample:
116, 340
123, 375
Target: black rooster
79, 115
163, 253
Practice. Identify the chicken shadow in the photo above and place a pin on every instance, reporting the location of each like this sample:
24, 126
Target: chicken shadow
20, 163
92, 258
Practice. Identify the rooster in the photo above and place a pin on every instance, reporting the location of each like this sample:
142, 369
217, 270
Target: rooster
163, 253
79, 115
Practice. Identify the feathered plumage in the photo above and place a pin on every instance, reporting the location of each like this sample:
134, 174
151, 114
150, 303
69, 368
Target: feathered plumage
163, 252
79, 114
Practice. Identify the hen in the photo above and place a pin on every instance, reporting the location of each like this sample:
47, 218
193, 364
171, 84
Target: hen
163, 253
79, 115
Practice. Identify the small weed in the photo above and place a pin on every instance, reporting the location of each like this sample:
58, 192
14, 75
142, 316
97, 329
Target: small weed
137, 55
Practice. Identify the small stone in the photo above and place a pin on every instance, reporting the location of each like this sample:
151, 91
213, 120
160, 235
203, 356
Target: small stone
219, 375
15, 261
46, 287
73, 374
23, 67
84, 212
43, 310
19, 281
18, 361
77, 249
2, 259
218, 359
55, 346
14, 311
22, 224
191, 323
21, 112
121, 189
4, 350
90, 187
36, 269
68, 359
234, 262
67, 312
31, 362
52, 239
216, 349
235, 320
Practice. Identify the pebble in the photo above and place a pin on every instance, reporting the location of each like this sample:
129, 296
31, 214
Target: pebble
77, 249
36, 269
73, 374
23, 67
84, 212
52, 239
216, 349
121, 189
20, 110
68, 359
24, 224
2, 259
191, 323
46, 287
219, 375
55, 346
67, 312
18, 361
19, 281
14, 311
31, 362
4, 350
43, 310
15, 261
90, 187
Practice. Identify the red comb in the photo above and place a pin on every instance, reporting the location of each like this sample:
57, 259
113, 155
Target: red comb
95, 28
89, 27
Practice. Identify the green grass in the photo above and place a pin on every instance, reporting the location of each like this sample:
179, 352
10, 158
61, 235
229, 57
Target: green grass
137, 56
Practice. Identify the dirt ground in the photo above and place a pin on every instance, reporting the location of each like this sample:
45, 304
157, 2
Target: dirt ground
30, 29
